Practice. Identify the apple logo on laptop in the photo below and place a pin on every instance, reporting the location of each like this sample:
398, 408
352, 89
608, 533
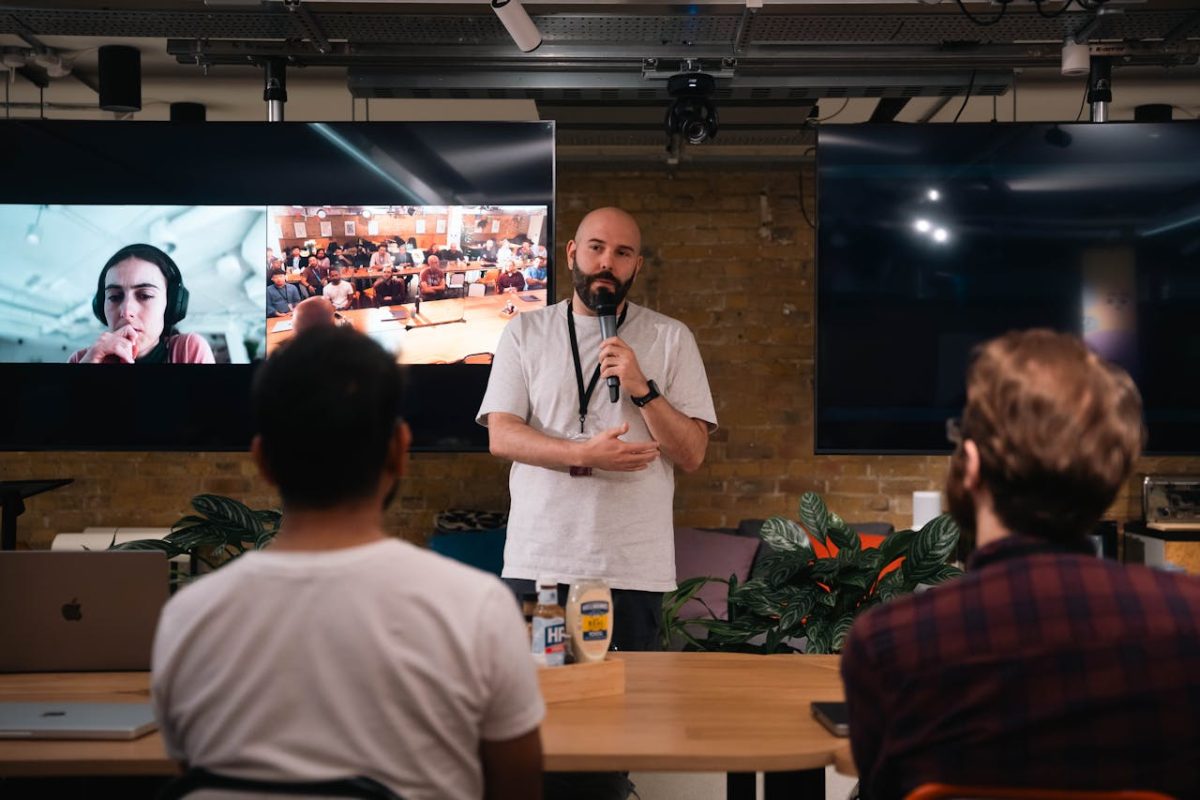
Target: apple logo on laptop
72, 611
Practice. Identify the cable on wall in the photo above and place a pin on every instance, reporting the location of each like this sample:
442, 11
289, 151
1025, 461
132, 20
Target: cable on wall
984, 23
970, 86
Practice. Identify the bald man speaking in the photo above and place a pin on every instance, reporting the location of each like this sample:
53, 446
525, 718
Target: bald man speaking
592, 480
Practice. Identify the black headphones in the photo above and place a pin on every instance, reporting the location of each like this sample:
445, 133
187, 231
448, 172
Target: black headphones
177, 293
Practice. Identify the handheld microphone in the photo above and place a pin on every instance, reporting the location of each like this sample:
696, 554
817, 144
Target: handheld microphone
606, 309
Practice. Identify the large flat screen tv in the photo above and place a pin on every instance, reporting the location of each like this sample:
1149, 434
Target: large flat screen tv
130, 244
934, 238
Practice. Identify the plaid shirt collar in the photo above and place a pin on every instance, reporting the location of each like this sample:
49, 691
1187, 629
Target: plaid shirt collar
1021, 546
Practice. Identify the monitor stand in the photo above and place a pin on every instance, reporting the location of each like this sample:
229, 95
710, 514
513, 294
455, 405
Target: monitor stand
12, 504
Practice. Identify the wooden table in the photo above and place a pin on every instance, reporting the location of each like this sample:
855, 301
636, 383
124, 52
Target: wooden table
444, 331
681, 712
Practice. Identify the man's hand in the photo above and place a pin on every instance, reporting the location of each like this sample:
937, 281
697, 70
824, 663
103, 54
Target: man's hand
606, 451
617, 358
112, 347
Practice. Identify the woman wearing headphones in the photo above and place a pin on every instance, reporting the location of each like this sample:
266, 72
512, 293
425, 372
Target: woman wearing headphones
140, 296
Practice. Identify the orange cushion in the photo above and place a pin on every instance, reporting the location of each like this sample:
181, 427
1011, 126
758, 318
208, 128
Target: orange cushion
829, 549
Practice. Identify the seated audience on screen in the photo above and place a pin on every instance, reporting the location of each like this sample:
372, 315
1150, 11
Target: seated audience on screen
282, 297
489, 252
140, 297
451, 253
535, 275
511, 280
314, 278
340, 650
382, 257
433, 280
1043, 665
322, 259
338, 257
504, 254
361, 257
338, 291
295, 261
402, 258
391, 289
418, 255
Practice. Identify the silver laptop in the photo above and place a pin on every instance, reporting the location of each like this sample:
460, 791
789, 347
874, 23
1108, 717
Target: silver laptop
70, 611
75, 720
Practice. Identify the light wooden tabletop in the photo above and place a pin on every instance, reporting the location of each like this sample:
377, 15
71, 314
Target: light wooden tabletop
682, 712
700, 712
444, 330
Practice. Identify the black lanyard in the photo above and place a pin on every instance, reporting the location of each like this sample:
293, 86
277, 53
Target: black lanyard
585, 395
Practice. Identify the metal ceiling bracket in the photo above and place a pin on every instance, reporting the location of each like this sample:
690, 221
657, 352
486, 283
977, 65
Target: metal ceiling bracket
308, 24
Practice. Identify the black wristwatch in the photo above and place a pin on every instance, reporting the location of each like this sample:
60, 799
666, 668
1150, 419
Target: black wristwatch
646, 398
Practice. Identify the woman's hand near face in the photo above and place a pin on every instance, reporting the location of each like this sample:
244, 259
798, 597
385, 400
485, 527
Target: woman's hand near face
113, 347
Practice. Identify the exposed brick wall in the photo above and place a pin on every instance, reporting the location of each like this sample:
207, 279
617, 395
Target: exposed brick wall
745, 289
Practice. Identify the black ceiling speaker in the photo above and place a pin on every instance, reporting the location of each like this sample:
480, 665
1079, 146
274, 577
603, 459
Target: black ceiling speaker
188, 112
120, 78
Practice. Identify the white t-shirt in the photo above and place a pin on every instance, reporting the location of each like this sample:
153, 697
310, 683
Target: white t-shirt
382, 660
612, 525
339, 294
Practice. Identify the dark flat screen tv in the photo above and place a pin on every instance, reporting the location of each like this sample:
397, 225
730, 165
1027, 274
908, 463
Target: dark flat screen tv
934, 238
225, 204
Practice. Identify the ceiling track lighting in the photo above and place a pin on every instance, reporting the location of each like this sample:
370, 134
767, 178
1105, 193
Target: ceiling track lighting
520, 27
33, 234
54, 63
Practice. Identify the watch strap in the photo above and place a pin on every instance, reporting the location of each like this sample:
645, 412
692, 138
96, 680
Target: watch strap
646, 398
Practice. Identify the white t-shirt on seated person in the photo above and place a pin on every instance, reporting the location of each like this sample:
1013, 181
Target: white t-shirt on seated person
384, 660
612, 525
339, 294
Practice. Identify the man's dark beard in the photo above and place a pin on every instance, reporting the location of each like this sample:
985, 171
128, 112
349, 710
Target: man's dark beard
583, 286
961, 503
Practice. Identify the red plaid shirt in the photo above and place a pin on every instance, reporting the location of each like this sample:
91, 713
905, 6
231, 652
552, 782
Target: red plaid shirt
1039, 667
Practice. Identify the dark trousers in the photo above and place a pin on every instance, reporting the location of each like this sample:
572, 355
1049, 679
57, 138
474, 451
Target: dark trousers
637, 619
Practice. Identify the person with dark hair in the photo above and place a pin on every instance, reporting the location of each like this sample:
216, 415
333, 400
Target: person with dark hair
341, 650
140, 297
340, 293
381, 258
282, 297
295, 261
337, 257
1043, 666
391, 289
361, 258
322, 260
314, 278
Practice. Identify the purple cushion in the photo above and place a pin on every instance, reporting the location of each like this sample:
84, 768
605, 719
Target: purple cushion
716, 555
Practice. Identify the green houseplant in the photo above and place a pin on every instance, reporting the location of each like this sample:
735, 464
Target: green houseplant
221, 529
798, 593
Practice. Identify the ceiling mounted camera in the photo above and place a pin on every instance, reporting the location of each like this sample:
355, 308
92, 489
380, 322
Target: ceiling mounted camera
692, 114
